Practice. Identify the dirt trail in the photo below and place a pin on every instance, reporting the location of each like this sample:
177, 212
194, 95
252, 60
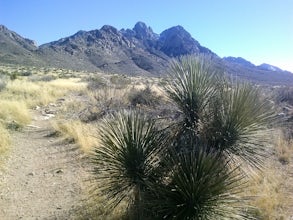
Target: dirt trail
42, 177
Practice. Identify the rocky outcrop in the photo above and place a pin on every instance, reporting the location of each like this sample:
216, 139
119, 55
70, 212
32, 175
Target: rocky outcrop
177, 41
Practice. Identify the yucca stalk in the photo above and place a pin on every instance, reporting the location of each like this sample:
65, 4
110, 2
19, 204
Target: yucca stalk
235, 123
130, 151
198, 185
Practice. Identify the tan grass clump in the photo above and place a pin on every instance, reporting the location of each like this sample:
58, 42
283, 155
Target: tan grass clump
284, 148
78, 132
40, 93
72, 84
269, 189
14, 111
266, 195
263, 192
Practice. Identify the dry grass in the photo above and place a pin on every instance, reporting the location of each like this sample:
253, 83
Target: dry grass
71, 84
20, 95
5, 139
69, 123
14, 111
267, 198
76, 131
284, 148
270, 188
106, 94
40, 93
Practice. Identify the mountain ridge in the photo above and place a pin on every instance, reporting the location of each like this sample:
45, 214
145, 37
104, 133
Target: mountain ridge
137, 51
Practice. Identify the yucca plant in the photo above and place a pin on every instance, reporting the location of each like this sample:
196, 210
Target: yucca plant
236, 121
129, 153
196, 185
228, 118
193, 83
185, 170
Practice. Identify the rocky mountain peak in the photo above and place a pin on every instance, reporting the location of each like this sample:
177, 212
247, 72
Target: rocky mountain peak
177, 32
239, 60
110, 29
176, 41
143, 32
80, 33
3, 28
8, 35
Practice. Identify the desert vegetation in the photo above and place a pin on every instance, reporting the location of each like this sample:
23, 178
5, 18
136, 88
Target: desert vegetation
193, 167
191, 146
22, 90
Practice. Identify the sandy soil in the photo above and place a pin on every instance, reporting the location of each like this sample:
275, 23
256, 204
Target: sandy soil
42, 177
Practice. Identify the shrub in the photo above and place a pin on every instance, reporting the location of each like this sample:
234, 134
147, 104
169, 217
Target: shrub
103, 102
96, 82
143, 97
27, 73
14, 75
120, 81
285, 94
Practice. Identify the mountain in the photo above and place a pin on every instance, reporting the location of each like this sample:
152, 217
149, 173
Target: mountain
238, 61
126, 51
131, 51
16, 49
269, 67
136, 51
265, 73
177, 41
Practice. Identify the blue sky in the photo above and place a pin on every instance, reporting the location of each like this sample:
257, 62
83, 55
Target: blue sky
260, 31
